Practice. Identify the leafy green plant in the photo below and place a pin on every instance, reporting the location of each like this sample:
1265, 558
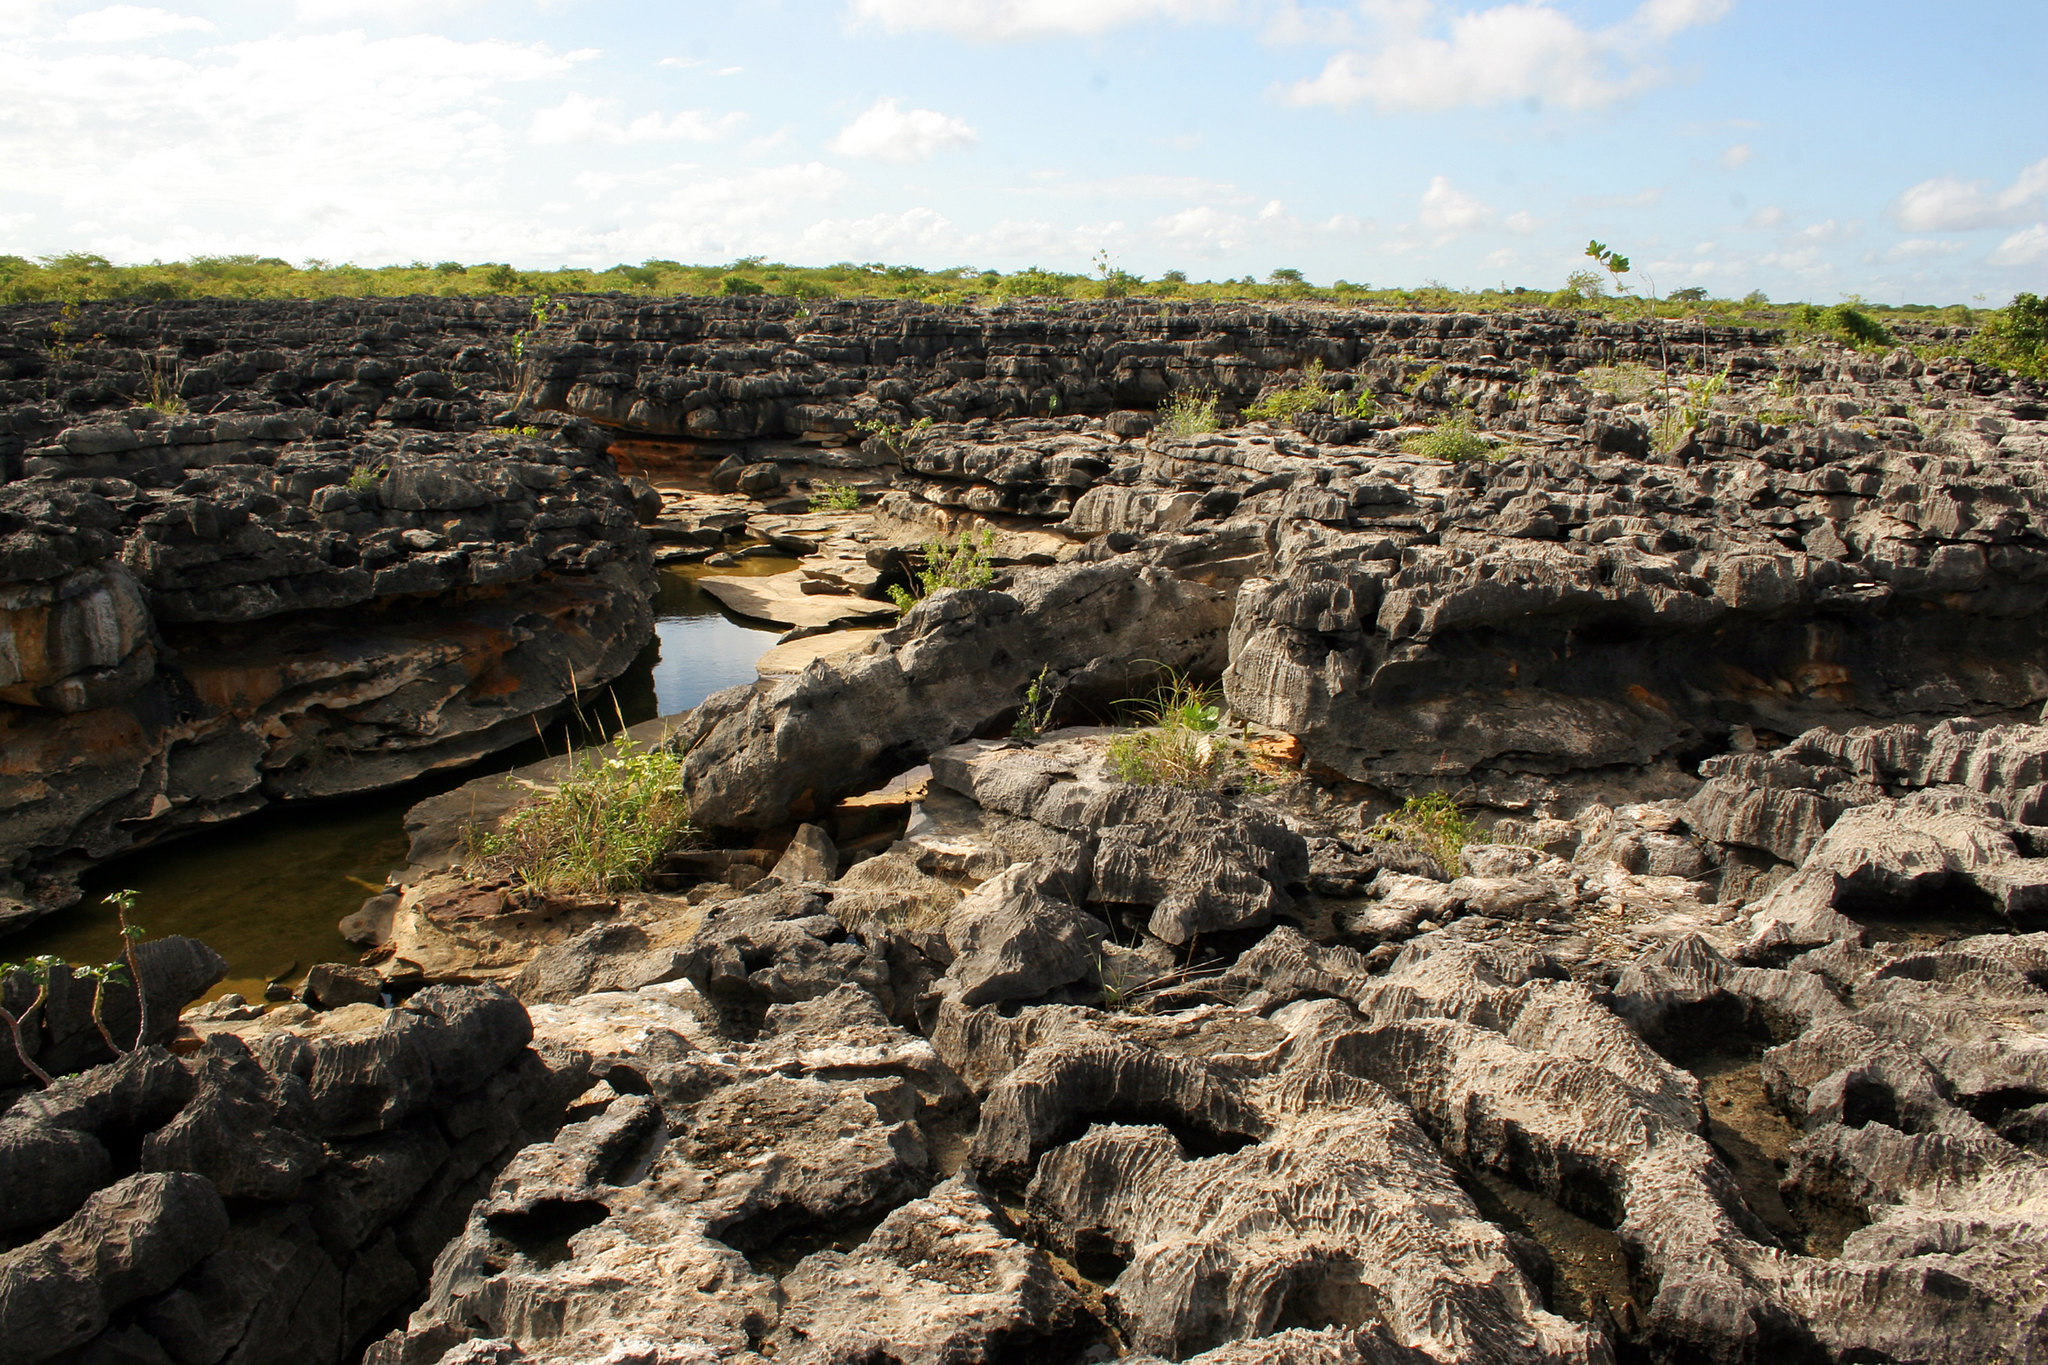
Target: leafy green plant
611, 818
960, 563
365, 478
1452, 439
739, 286
899, 440
1116, 282
1697, 405
835, 497
2016, 337
1034, 717
38, 970
537, 433
1190, 412
1365, 406
123, 902
543, 310
1435, 824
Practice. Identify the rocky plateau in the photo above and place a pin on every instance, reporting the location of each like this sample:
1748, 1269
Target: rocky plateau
1720, 1036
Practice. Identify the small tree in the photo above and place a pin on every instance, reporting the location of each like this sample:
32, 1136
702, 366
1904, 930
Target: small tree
1617, 265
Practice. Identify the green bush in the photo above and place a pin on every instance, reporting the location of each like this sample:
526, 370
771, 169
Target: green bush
610, 820
1435, 824
1452, 439
1191, 412
2016, 338
1847, 323
737, 286
366, 478
960, 563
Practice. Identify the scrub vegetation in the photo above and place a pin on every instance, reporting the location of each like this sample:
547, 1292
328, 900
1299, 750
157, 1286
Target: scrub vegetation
78, 276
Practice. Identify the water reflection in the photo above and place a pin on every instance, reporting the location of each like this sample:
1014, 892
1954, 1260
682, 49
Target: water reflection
267, 891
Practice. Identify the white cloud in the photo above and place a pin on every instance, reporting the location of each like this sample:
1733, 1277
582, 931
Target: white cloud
1918, 248
586, 118
131, 23
1769, 216
1427, 59
1010, 20
1951, 205
2023, 247
1140, 185
1450, 212
888, 132
1738, 156
1831, 230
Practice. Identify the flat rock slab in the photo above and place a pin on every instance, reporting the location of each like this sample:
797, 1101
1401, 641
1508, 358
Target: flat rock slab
780, 598
798, 655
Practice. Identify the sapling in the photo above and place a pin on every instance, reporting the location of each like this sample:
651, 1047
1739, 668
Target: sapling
38, 969
1617, 265
123, 902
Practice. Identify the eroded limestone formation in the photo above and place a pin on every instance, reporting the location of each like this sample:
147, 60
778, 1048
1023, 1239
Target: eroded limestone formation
1721, 1040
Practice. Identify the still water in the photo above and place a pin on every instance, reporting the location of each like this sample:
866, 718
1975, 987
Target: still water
267, 891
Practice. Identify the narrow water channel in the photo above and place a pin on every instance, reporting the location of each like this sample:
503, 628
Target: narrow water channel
266, 892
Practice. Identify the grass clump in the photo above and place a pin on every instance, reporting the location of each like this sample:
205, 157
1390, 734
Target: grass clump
1453, 440
365, 478
835, 497
960, 563
613, 816
1189, 413
1180, 742
1434, 823
1628, 382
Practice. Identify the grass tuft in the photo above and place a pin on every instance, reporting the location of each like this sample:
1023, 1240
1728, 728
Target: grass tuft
1191, 412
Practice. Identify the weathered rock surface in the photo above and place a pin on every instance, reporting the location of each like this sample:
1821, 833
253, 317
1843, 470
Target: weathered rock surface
1723, 1041
299, 1175
322, 575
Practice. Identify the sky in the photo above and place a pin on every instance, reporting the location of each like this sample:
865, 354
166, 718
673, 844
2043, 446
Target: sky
1895, 150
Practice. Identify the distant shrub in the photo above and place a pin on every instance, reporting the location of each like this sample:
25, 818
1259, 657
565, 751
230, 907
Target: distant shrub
1846, 323
738, 286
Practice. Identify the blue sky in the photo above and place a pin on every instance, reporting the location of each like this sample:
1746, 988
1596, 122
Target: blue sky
1894, 150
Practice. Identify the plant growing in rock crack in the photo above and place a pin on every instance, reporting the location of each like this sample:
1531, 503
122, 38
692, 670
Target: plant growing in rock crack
1453, 439
1179, 741
162, 380
896, 438
1693, 410
1190, 412
960, 563
1034, 717
609, 821
365, 478
1435, 824
835, 497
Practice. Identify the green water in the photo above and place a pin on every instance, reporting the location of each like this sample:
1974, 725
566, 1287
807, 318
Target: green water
267, 891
